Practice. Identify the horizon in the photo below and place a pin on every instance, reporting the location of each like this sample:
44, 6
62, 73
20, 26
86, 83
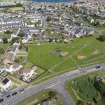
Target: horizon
53, 1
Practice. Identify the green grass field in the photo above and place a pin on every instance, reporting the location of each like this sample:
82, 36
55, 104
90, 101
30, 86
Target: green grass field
14, 9
83, 89
80, 52
39, 97
4, 35
4, 46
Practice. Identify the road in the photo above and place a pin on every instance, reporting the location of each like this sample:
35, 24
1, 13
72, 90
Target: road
57, 83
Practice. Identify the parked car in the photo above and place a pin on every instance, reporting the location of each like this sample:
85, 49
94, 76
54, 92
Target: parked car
1, 100
98, 66
21, 90
8, 96
14, 93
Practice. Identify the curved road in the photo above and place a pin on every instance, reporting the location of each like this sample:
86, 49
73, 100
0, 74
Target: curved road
57, 83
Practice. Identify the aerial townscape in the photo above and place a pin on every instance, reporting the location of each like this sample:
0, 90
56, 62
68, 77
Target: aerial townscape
52, 52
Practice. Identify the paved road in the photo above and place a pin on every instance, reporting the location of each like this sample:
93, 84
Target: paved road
57, 83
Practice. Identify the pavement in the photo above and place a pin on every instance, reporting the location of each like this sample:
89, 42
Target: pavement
57, 83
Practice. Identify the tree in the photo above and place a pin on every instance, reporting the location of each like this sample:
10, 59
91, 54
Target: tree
14, 40
1, 50
48, 19
101, 38
79, 102
21, 34
8, 32
5, 40
52, 94
19, 5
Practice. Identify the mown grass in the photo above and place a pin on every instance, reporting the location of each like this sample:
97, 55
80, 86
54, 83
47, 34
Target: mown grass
80, 52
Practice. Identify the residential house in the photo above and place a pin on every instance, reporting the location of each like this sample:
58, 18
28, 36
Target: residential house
13, 68
5, 84
28, 74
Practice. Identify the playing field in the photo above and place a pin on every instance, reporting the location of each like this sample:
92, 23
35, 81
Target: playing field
57, 57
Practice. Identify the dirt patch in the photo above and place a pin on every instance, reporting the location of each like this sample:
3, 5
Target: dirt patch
60, 53
63, 54
95, 52
81, 57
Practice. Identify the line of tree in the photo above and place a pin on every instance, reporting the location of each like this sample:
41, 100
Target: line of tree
101, 38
